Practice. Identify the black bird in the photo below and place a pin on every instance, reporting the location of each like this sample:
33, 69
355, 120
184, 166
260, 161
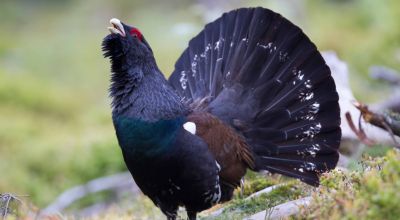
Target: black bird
251, 91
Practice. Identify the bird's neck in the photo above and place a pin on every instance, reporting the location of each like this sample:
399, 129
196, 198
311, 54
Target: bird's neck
143, 93
147, 112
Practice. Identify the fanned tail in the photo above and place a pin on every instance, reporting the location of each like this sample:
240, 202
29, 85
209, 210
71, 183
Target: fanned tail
262, 75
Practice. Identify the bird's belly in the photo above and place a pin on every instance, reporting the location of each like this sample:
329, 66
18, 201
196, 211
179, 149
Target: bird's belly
163, 185
159, 183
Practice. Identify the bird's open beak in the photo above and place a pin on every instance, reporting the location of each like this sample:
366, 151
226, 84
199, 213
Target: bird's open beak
117, 27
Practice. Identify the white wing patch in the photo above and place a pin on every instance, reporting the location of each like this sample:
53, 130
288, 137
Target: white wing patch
190, 127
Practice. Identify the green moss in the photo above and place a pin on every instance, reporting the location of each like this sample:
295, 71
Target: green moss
377, 150
239, 208
254, 182
373, 193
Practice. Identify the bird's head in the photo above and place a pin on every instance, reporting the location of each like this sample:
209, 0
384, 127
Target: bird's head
126, 46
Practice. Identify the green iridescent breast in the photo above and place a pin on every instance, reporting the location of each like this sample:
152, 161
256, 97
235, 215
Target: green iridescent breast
146, 139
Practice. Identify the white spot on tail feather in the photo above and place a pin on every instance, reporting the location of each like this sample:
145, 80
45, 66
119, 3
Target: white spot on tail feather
183, 80
312, 111
309, 166
194, 64
310, 133
262, 46
313, 130
300, 76
283, 56
217, 44
208, 47
313, 150
315, 108
190, 127
307, 84
306, 96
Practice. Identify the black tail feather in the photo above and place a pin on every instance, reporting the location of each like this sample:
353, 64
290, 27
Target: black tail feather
262, 70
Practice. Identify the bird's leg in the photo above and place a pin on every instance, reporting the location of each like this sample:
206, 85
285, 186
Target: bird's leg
170, 216
171, 213
192, 215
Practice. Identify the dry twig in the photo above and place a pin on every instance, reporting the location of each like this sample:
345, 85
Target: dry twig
5, 201
359, 132
119, 181
387, 121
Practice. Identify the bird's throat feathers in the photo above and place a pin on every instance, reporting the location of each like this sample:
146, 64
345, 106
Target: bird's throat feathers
144, 95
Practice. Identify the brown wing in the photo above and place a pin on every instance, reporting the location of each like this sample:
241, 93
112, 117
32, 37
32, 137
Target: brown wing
229, 148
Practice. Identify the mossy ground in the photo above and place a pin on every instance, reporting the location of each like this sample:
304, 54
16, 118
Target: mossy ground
370, 193
239, 208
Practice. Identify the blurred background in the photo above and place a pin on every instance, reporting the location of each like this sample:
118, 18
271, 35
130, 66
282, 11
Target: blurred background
55, 121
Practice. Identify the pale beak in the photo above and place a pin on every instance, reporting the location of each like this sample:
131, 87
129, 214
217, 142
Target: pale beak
117, 27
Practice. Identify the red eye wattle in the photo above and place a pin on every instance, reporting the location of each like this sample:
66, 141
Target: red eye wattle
137, 33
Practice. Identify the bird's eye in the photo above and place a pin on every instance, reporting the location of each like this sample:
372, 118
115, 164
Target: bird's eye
136, 33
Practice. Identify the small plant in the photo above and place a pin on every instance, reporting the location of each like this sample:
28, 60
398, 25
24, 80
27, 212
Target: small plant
9, 205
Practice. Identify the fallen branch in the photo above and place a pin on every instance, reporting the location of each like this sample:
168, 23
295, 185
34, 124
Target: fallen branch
392, 103
392, 77
266, 190
340, 73
282, 211
359, 132
386, 74
388, 121
68, 197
